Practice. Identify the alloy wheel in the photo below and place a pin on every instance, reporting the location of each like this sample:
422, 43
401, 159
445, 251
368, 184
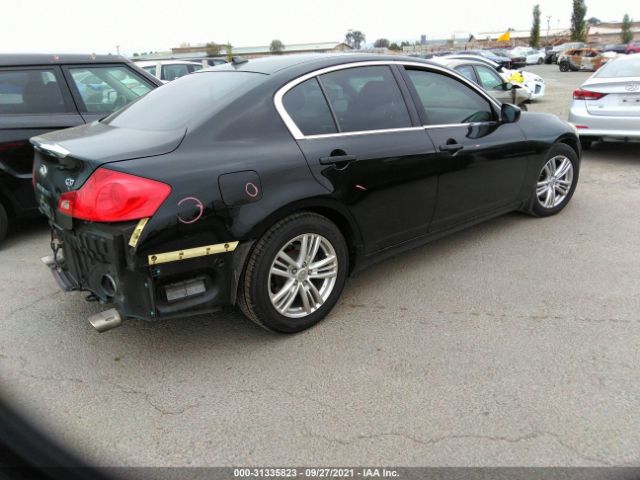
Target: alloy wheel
555, 181
302, 275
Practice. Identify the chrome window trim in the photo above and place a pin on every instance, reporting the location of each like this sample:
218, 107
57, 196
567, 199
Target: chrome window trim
297, 133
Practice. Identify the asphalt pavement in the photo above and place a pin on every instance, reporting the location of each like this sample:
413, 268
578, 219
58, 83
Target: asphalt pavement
515, 342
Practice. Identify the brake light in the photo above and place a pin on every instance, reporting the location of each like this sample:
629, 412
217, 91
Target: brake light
581, 94
109, 196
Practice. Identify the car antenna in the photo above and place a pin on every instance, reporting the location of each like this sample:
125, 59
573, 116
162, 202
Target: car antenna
238, 60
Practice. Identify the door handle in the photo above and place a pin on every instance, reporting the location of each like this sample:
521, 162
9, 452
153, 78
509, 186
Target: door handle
334, 159
451, 148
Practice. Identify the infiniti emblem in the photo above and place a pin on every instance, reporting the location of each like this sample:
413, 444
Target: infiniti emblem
43, 170
69, 182
632, 87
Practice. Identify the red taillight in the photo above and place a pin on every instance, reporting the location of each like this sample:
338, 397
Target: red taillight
581, 94
109, 196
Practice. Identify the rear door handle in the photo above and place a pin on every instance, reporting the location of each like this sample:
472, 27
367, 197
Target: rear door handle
451, 147
333, 159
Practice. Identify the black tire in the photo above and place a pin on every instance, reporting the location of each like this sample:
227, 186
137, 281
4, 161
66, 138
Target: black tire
524, 107
564, 66
540, 61
535, 207
4, 222
254, 300
586, 144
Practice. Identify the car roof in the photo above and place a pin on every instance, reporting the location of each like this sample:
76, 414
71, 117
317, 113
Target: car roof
145, 63
278, 63
24, 59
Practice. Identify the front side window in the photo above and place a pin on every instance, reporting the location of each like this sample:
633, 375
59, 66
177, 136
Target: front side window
307, 107
366, 98
448, 101
105, 89
29, 92
488, 79
150, 69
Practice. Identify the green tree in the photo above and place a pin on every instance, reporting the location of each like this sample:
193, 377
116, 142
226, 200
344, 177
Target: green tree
578, 24
626, 35
136, 54
594, 21
381, 43
534, 38
229, 51
276, 47
355, 39
394, 46
213, 49
404, 43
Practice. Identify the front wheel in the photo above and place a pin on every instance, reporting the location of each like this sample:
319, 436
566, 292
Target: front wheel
564, 67
540, 61
295, 273
556, 181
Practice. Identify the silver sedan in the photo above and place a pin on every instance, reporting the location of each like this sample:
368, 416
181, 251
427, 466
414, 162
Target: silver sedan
607, 105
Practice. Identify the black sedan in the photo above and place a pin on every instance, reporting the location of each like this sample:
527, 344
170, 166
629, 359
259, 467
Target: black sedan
265, 183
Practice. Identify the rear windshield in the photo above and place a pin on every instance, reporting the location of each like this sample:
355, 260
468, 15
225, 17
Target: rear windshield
185, 101
620, 68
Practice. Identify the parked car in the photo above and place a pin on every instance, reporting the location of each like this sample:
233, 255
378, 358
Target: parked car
633, 47
532, 83
582, 59
489, 79
531, 55
41, 93
168, 70
607, 105
617, 48
501, 60
551, 56
301, 171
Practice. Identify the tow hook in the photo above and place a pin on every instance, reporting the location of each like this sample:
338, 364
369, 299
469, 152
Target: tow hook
106, 320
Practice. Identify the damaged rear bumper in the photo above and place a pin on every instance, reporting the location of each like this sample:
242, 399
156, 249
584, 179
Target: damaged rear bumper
148, 285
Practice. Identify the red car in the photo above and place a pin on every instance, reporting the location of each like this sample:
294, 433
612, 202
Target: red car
633, 47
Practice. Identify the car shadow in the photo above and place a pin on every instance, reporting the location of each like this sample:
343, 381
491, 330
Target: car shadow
619, 152
23, 230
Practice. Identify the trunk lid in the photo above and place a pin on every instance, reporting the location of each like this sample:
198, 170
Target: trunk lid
65, 159
622, 97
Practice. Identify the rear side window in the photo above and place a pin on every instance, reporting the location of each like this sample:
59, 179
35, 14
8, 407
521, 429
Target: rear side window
366, 98
467, 72
173, 71
307, 107
448, 101
105, 89
29, 92
189, 100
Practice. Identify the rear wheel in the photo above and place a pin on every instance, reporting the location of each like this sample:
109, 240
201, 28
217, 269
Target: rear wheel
556, 181
564, 66
540, 61
295, 273
4, 222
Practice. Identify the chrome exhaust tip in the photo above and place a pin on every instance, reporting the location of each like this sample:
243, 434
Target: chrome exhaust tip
106, 320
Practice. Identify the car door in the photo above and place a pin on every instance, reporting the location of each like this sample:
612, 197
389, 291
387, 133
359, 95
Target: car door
482, 162
494, 84
33, 100
102, 89
366, 146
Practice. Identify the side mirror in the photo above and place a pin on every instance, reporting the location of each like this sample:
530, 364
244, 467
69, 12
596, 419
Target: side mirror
508, 86
509, 113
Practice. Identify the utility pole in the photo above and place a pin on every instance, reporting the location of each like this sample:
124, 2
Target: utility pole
548, 27
118, 49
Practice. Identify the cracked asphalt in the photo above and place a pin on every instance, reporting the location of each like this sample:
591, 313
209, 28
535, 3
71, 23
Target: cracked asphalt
515, 342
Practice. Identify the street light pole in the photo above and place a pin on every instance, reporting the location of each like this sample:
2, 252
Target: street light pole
118, 49
548, 27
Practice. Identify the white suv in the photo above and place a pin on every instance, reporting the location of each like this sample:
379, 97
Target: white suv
167, 70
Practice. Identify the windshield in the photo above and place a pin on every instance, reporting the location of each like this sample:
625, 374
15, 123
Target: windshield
187, 100
621, 68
